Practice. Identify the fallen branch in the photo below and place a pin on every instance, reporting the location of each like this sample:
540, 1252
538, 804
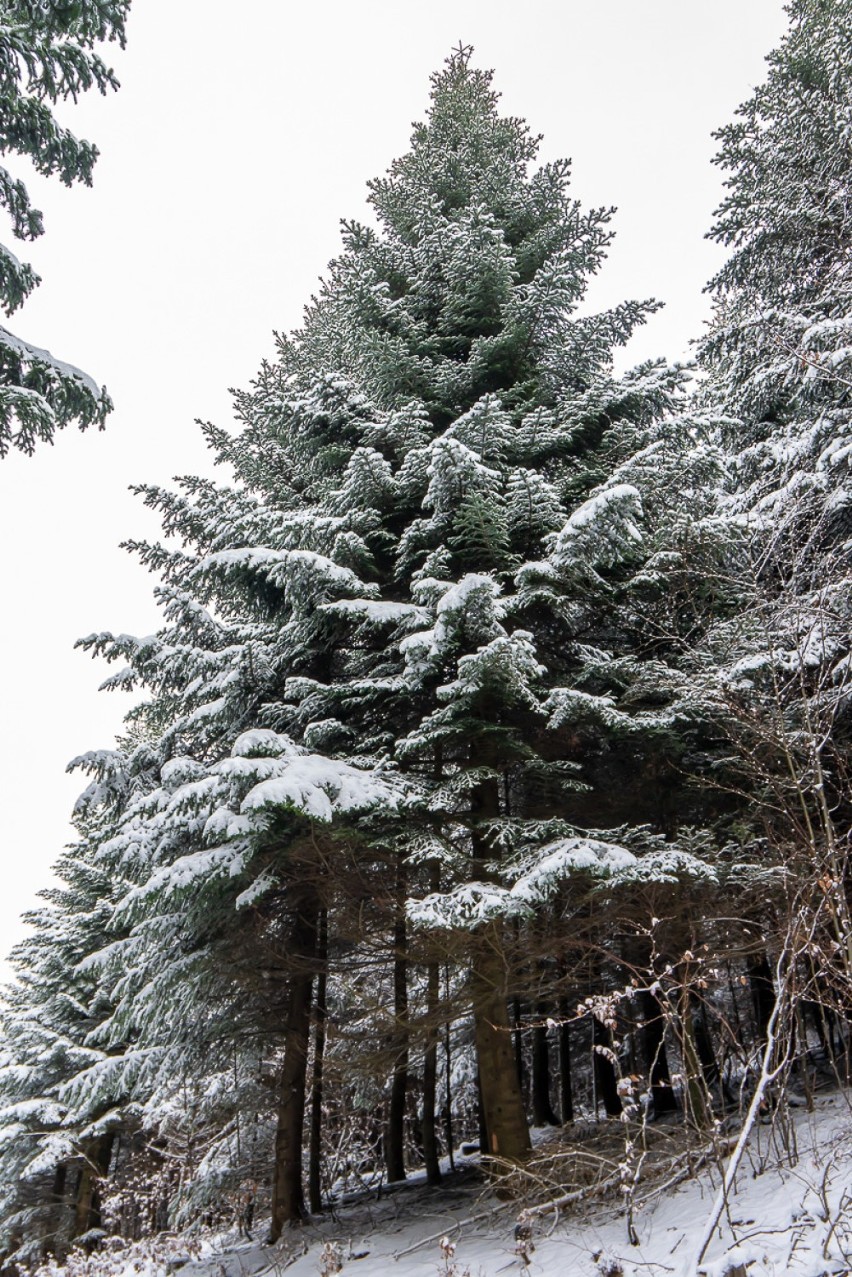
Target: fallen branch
576, 1195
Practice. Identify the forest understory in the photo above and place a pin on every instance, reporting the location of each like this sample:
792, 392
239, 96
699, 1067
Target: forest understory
584, 1206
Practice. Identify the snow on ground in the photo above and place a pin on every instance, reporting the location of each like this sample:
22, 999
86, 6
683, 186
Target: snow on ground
791, 1213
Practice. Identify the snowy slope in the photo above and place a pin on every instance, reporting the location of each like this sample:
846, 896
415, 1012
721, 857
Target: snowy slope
791, 1213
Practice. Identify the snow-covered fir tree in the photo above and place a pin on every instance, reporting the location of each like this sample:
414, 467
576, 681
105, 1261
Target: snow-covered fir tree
423, 687
54, 1147
48, 53
778, 359
778, 348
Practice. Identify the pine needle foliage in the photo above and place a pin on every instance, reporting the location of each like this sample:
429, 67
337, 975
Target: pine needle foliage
48, 54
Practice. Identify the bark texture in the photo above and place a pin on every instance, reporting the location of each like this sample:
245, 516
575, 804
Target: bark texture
288, 1202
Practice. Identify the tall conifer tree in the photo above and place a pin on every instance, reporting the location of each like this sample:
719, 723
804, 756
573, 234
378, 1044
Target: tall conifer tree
433, 632
778, 358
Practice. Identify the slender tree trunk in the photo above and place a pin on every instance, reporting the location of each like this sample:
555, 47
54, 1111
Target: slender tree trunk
430, 1059
817, 1015
801, 1056
480, 1115
695, 1094
566, 1092
735, 1008
651, 1033
87, 1205
704, 1044
543, 1114
51, 1238
606, 1081
430, 1079
654, 1056
287, 1196
315, 1149
394, 1139
518, 1012
83, 1201
762, 994
506, 1130
448, 1081
518, 1043
542, 1107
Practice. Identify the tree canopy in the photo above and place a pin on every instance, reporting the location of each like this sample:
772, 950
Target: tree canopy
48, 54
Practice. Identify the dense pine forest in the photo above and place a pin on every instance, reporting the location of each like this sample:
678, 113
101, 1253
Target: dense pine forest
490, 767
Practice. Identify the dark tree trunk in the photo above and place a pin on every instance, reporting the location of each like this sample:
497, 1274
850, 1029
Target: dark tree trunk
704, 1044
288, 1202
87, 1205
693, 1042
654, 1057
52, 1237
606, 1080
507, 1135
314, 1149
817, 1014
480, 1115
394, 1139
518, 1043
518, 1013
506, 1130
543, 1114
448, 1083
762, 994
430, 1061
566, 1093
735, 1007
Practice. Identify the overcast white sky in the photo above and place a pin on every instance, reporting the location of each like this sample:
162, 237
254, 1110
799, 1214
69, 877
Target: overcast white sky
228, 157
